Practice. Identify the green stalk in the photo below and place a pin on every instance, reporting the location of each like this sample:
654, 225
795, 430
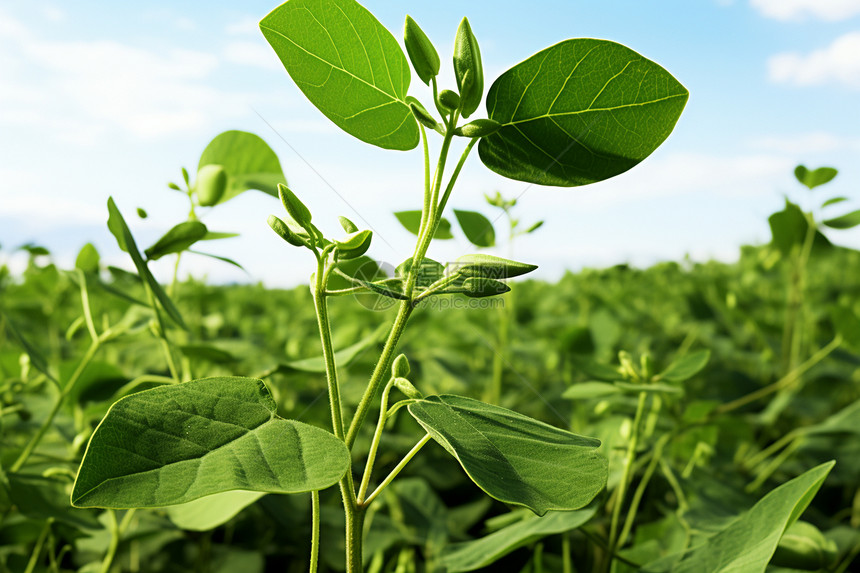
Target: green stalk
397, 469
321, 306
656, 458
374, 444
114, 541
315, 531
625, 478
162, 335
37, 550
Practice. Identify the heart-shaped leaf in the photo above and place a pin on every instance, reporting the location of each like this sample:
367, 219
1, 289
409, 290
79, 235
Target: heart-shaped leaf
177, 443
411, 221
478, 229
177, 239
248, 161
816, 177
578, 112
749, 541
471, 555
514, 458
349, 66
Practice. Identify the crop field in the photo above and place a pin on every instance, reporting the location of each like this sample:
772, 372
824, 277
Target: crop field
435, 416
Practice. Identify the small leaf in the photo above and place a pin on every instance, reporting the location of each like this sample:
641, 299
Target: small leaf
488, 266
483, 552
248, 161
833, 201
748, 543
846, 221
88, 259
468, 69
284, 232
512, 457
348, 65
207, 513
354, 245
348, 226
421, 114
422, 54
685, 367
210, 185
479, 287
400, 366
177, 239
589, 390
579, 112
177, 443
534, 227
294, 206
449, 100
411, 220
478, 229
813, 179
141, 212
120, 230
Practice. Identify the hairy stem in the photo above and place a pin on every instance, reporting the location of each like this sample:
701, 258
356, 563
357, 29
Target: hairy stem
315, 531
397, 469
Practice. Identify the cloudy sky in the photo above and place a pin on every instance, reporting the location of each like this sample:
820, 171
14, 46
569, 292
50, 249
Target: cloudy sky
112, 99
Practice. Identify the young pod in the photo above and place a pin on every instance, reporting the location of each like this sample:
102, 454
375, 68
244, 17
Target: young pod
284, 231
468, 69
478, 128
400, 366
421, 113
294, 207
407, 388
210, 185
449, 100
421, 52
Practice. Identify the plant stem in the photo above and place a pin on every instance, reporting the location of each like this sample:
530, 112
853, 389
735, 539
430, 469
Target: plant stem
397, 469
783, 382
315, 531
162, 334
114, 541
354, 540
625, 478
37, 550
656, 458
374, 444
321, 306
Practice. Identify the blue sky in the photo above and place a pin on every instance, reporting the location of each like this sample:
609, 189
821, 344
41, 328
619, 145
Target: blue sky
100, 99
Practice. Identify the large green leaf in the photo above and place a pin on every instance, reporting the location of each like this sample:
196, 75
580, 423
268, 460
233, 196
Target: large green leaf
117, 225
514, 458
578, 112
471, 555
211, 511
349, 66
174, 444
248, 160
789, 228
749, 542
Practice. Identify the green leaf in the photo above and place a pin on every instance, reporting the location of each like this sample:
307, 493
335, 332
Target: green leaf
347, 225
348, 65
429, 272
88, 259
120, 230
343, 357
248, 160
834, 201
488, 266
211, 511
816, 177
207, 352
37, 359
686, 366
479, 287
215, 235
468, 69
653, 388
411, 220
174, 444
579, 112
283, 230
845, 221
748, 543
804, 547
471, 555
294, 206
354, 245
789, 227
177, 239
422, 54
514, 458
588, 390
478, 229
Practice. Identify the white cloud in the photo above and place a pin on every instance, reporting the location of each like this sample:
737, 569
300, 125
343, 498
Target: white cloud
244, 26
83, 90
837, 63
831, 10
807, 143
256, 54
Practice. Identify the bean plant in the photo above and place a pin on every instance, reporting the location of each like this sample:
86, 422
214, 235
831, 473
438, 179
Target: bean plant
576, 113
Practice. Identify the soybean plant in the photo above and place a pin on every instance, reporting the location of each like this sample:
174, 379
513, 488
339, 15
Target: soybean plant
578, 112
